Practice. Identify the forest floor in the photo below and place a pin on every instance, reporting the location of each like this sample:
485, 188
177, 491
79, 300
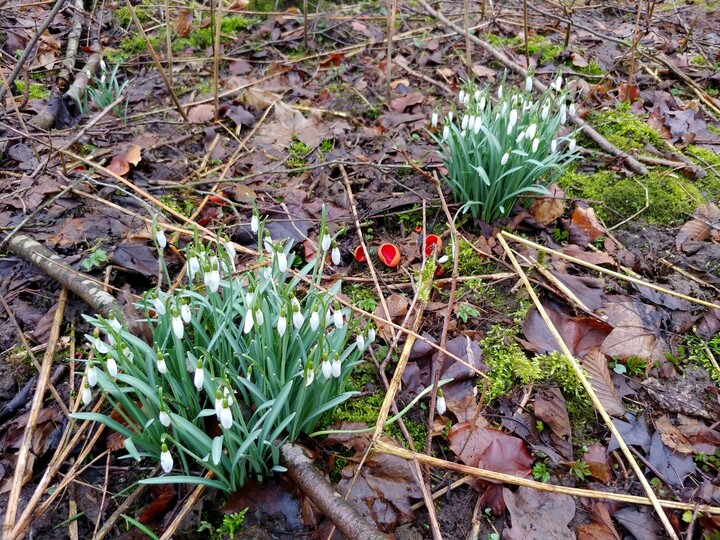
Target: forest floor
290, 118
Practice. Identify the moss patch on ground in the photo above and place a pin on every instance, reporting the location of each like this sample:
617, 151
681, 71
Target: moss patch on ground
36, 91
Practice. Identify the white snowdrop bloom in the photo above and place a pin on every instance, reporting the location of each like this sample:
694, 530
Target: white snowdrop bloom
326, 368
326, 242
166, 459
450, 116
86, 394
504, 109
335, 255
298, 319
520, 137
103, 65
440, 405
226, 420
337, 318
545, 112
513, 120
248, 322
463, 133
461, 96
177, 326
193, 267
504, 159
259, 317
557, 85
111, 340
478, 125
218, 402
91, 374
500, 92
483, 102
535, 144
160, 238
199, 377
476, 95
530, 131
446, 132
282, 323
314, 320
434, 119
371, 331
249, 297
528, 83
571, 145
212, 279
443, 259
336, 368
467, 99
227, 394
159, 305
268, 243
553, 145
112, 368
309, 374
114, 323
464, 122
328, 317
360, 342
254, 223
161, 364
100, 346
563, 113
571, 109
230, 249
127, 353
164, 418
185, 313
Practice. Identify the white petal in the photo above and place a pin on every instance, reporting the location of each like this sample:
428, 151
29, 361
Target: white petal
91, 375
282, 261
335, 255
571, 145
282, 326
164, 418
112, 367
166, 461
360, 341
185, 313
199, 378
440, 405
310, 377
326, 369
535, 144
298, 319
226, 419
100, 346
336, 368
159, 306
446, 131
178, 327
371, 335
86, 395
259, 317
528, 83
434, 119
161, 240
326, 241
162, 366
248, 322
114, 324
338, 319
254, 224
193, 267
314, 320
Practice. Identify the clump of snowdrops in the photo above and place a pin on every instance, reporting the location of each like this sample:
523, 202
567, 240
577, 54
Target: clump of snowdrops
498, 148
239, 362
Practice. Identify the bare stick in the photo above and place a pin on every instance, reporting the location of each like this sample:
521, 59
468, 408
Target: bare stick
65, 74
391, 8
216, 56
155, 58
22, 457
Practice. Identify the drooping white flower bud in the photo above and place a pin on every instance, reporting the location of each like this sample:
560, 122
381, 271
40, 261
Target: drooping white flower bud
281, 261
500, 92
166, 459
464, 122
434, 119
160, 239
193, 267
249, 322
91, 374
571, 109
159, 305
164, 417
199, 377
326, 368
535, 144
254, 223
326, 242
335, 255
563, 113
446, 132
86, 394
571, 145
530, 131
114, 323
282, 323
309, 373
528, 83
336, 366
337, 318
212, 278
553, 145
226, 419
371, 331
440, 405
185, 313
178, 327
505, 158
314, 320
112, 368
259, 317
360, 342
161, 364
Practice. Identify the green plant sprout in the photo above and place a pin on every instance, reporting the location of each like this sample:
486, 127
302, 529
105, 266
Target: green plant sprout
108, 89
496, 152
238, 363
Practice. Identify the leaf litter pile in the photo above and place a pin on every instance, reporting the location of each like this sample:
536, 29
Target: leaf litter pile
581, 334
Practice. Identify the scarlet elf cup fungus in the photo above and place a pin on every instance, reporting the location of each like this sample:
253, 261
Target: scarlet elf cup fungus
359, 254
432, 242
389, 254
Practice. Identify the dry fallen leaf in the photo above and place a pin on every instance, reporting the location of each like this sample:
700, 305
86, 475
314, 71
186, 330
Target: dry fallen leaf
596, 366
183, 22
201, 114
550, 207
121, 163
538, 515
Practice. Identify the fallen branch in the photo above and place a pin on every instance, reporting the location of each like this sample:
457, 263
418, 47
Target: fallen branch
633, 164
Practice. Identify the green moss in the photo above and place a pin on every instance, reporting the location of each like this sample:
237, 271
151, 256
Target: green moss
698, 61
709, 186
470, 262
698, 354
133, 46
537, 44
179, 204
202, 38
511, 367
591, 69
671, 197
361, 296
625, 130
37, 91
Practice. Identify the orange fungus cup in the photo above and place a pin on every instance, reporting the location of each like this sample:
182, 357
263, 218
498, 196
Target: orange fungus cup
432, 241
389, 254
359, 254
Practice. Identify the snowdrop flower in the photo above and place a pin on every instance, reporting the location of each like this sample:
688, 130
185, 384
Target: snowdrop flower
259, 317
336, 368
103, 65
500, 92
553, 145
127, 353
528, 83
177, 324
450, 116
88, 73
199, 378
326, 368
531, 130
443, 259
335, 254
161, 364
520, 137
226, 420
91, 374
249, 297
440, 405
185, 313
111, 365
478, 125
461, 96
512, 121
326, 242
463, 133
103, 78
281, 260
309, 373
314, 320
535, 144
114, 323
464, 123
193, 267
571, 145
218, 402
230, 249
227, 394
164, 417
446, 132
483, 102
360, 342
467, 99
298, 318
504, 159
545, 112
282, 322
268, 243
476, 95
571, 109
166, 459
254, 223
557, 85
563, 113
337, 318
86, 394
504, 109
99, 345
471, 123
160, 239
434, 119
212, 278
248, 322
371, 331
